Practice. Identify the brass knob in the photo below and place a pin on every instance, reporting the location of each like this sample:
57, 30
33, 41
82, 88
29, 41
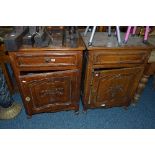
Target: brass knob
103, 105
52, 60
28, 99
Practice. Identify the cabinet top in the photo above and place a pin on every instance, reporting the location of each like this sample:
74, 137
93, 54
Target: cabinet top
101, 40
61, 41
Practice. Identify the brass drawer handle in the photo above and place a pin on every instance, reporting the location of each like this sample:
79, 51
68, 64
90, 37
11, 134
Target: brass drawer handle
47, 60
52, 60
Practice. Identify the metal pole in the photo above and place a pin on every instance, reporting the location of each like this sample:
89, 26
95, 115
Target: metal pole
118, 35
92, 35
87, 28
109, 31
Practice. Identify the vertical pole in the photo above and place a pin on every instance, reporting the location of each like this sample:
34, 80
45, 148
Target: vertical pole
109, 31
146, 33
118, 35
134, 30
92, 36
127, 34
86, 30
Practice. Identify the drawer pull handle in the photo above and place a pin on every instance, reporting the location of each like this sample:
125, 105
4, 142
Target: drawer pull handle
28, 99
52, 60
47, 60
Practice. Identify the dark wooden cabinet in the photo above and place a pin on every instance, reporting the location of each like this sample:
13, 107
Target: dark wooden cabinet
112, 73
49, 78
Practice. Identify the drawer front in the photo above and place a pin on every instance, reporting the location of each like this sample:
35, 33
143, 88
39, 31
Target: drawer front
24, 60
104, 57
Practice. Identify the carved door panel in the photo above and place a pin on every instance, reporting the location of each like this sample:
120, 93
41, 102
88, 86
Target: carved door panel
114, 87
46, 91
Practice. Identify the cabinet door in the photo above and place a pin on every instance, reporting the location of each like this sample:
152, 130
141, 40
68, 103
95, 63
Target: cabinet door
50, 91
114, 87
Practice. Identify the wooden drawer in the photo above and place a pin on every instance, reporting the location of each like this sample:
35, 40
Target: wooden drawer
122, 57
46, 59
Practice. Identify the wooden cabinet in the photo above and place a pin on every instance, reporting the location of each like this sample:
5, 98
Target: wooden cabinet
112, 73
49, 78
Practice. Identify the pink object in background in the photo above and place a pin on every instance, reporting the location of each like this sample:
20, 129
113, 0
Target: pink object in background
134, 31
127, 34
146, 33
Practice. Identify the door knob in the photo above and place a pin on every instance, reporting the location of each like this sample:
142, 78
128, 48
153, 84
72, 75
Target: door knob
28, 99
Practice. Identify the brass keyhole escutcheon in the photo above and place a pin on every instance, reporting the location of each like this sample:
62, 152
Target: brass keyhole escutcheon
28, 99
48, 60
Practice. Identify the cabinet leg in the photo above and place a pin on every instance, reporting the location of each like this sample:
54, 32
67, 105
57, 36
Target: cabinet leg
77, 112
125, 107
133, 104
140, 88
29, 116
84, 110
